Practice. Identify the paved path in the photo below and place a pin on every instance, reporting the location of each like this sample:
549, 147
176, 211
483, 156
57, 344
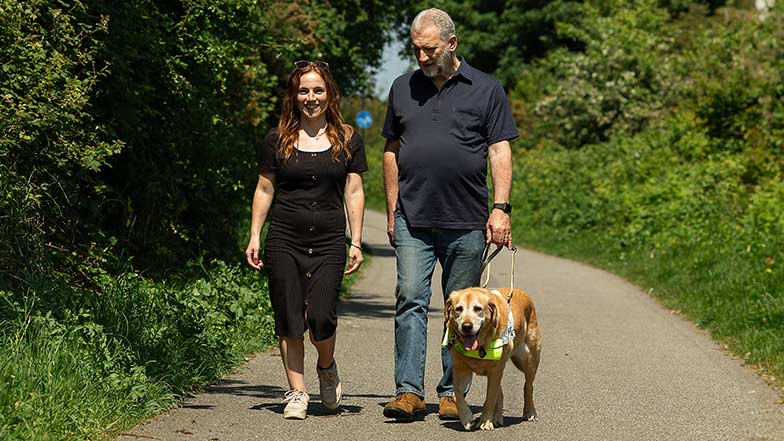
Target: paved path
615, 366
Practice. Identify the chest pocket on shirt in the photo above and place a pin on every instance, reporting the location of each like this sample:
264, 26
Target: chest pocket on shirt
467, 121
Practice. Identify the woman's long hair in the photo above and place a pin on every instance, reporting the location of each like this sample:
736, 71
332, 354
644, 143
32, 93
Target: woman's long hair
338, 132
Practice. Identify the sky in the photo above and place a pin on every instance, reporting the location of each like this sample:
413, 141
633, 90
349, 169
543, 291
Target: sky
392, 66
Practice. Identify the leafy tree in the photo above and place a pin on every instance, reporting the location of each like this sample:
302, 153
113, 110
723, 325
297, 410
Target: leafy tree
638, 67
188, 107
349, 34
50, 142
618, 83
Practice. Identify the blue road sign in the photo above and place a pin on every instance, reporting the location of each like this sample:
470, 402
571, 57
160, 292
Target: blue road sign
364, 119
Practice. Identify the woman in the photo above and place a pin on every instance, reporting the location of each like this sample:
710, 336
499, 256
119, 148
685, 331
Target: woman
310, 165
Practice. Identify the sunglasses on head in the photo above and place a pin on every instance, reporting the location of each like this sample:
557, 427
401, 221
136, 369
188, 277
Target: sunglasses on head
305, 63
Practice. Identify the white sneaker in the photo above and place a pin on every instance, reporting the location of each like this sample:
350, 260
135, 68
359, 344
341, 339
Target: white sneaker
329, 386
298, 404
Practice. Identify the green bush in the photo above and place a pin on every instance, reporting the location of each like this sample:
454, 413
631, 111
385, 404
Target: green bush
50, 143
657, 153
617, 84
82, 363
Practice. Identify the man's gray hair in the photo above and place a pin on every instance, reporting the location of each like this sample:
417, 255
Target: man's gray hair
434, 17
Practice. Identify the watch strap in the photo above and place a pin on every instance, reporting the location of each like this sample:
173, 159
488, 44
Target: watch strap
503, 206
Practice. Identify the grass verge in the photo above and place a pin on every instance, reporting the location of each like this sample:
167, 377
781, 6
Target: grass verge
86, 363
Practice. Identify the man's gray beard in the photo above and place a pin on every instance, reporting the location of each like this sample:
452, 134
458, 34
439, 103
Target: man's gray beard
430, 71
441, 66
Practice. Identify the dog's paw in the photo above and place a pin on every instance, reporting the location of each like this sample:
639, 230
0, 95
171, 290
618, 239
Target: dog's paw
498, 421
529, 415
465, 416
486, 425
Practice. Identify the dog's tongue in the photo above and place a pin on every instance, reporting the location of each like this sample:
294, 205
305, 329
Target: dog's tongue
469, 342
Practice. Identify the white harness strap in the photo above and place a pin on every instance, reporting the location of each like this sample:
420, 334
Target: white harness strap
511, 272
509, 334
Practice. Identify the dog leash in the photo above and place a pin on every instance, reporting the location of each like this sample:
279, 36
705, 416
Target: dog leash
486, 264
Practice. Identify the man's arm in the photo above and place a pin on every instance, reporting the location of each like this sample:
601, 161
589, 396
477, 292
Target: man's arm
499, 229
391, 150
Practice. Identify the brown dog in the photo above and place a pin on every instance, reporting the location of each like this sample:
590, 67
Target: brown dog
475, 318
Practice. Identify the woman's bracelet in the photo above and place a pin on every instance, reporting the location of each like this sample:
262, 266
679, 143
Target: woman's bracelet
356, 246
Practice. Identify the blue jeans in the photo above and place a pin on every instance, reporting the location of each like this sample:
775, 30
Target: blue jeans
460, 254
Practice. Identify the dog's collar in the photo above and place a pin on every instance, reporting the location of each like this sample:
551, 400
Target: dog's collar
496, 349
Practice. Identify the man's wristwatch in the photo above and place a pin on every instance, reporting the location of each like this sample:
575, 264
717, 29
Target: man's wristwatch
506, 207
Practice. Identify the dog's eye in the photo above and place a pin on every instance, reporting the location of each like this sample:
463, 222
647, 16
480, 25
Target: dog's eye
459, 309
477, 308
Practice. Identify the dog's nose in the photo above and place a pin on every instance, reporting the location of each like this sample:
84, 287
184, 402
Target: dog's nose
467, 327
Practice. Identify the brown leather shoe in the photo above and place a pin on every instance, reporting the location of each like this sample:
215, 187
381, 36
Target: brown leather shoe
404, 407
447, 408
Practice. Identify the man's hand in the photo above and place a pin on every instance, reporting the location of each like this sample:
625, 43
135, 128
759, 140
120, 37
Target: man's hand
499, 229
391, 229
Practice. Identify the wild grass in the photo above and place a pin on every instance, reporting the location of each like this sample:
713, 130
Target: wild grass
85, 363
53, 391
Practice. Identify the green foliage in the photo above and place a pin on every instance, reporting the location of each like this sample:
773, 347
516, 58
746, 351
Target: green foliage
350, 35
79, 363
638, 67
763, 220
503, 38
190, 118
51, 391
50, 143
736, 93
130, 127
679, 186
618, 83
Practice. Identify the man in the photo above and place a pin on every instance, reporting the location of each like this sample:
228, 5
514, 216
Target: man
443, 123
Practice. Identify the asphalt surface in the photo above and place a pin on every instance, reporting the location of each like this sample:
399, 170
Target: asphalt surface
615, 366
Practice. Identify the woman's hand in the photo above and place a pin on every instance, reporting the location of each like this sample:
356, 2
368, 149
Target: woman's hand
355, 258
252, 255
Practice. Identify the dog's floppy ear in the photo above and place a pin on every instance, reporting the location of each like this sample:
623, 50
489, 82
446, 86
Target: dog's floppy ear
448, 306
495, 318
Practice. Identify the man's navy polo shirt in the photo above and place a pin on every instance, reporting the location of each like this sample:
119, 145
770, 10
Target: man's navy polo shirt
444, 135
